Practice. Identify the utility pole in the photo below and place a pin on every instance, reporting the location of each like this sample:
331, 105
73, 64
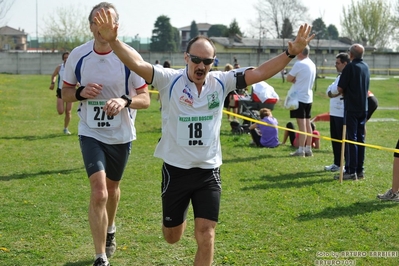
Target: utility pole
317, 48
37, 27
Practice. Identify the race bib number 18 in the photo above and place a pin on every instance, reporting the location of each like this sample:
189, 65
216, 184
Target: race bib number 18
195, 130
96, 117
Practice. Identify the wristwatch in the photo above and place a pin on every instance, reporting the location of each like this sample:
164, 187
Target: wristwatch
128, 99
289, 55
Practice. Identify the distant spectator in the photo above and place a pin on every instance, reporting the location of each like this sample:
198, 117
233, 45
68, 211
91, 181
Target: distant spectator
232, 104
262, 135
216, 63
166, 64
295, 136
336, 114
228, 67
354, 86
226, 103
302, 76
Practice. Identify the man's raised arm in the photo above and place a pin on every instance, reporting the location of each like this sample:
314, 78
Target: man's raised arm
130, 57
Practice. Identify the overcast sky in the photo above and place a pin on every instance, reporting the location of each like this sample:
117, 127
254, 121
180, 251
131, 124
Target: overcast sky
138, 17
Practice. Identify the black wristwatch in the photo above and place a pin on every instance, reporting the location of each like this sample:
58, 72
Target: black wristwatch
128, 99
289, 55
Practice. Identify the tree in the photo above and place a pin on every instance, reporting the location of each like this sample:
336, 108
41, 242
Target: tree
218, 30
277, 11
176, 36
369, 21
396, 23
320, 29
286, 31
234, 29
163, 37
193, 29
5, 6
332, 32
66, 29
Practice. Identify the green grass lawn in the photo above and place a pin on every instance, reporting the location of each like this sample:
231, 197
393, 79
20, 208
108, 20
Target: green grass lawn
275, 210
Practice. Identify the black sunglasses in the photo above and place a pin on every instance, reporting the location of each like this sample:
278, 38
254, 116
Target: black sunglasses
198, 60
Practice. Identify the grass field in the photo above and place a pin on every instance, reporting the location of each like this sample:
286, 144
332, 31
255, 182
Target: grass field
275, 210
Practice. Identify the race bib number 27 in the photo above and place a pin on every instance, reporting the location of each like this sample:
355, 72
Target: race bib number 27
96, 117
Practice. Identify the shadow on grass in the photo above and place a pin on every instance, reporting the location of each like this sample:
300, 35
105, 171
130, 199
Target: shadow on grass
246, 159
29, 175
357, 208
285, 181
79, 263
37, 137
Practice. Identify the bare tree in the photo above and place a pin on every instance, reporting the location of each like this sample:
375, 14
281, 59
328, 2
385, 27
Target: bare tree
277, 11
395, 38
369, 22
67, 28
5, 6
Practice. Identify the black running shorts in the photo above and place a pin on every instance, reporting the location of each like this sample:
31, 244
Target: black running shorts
303, 111
98, 156
179, 186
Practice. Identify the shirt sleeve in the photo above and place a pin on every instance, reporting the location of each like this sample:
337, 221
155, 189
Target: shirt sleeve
333, 88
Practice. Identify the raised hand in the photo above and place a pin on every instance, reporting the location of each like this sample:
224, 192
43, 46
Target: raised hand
302, 39
107, 27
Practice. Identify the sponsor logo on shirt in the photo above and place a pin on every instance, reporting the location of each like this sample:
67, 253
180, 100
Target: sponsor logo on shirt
213, 100
187, 97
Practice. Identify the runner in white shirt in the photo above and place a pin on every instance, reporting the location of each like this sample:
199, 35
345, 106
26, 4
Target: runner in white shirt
62, 106
192, 105
110, 94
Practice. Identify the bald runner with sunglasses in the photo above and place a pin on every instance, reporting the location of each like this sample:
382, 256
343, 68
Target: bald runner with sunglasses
192, 108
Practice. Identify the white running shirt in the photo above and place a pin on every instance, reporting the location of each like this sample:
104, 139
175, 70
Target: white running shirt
304, 72
191, 122
336, 103
60, 75
85, 66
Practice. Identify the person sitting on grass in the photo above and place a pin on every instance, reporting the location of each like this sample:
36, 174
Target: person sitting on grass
262, 135
294, 136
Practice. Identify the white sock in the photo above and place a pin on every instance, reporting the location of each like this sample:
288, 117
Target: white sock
307, 148
111, 229
103, 256
300, 149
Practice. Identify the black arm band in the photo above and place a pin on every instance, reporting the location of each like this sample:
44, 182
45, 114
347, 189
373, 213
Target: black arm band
77, 94
240, 83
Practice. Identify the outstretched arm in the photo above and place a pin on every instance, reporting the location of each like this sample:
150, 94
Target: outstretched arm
273, 66
130, 57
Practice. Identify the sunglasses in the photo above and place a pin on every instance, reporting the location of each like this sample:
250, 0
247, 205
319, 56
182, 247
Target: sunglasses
198, 60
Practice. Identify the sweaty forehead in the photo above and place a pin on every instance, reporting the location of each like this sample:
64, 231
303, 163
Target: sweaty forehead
202, 48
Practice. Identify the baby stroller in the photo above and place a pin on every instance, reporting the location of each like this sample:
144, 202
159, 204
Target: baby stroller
262, 96
242, 98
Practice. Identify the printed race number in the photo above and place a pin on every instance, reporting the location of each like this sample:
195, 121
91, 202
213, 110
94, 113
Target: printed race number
96, 117
195, 130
